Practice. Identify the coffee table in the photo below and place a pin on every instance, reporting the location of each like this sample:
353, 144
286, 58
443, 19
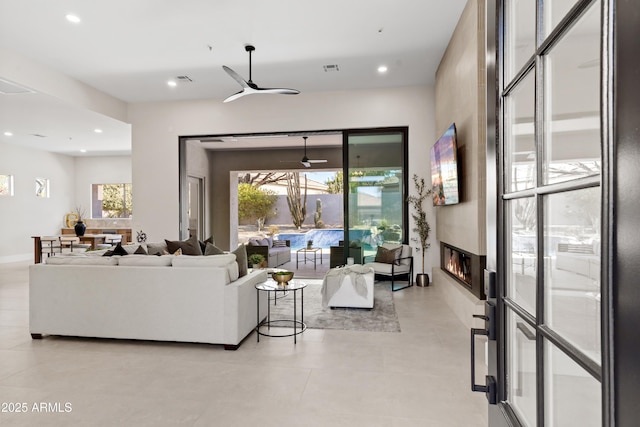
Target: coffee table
271, 287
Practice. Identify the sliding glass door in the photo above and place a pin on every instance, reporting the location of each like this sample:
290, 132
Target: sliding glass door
375, 186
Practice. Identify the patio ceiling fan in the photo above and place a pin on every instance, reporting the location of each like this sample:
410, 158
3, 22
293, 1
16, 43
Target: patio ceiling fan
249, 87
306, 161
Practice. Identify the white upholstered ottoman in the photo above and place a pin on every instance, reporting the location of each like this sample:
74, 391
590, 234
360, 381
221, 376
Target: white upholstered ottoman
349, 286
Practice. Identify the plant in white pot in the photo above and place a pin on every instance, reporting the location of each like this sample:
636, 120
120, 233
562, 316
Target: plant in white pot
255, 260
422, 227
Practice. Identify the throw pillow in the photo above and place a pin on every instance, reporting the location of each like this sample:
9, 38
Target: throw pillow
212, 250
108, 253
119, 250
203, 245
157, 248
178, 252
264, 242
191, 246
387, 256
140, 251
241, 258
253, 242
279, 244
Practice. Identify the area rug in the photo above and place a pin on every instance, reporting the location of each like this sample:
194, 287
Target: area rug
382, 318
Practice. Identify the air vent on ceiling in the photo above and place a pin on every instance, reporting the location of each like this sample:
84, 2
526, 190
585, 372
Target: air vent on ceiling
9, 88
184, 79
330, 67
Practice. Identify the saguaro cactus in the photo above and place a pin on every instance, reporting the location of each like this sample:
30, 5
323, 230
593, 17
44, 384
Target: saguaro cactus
297, 206
317, 216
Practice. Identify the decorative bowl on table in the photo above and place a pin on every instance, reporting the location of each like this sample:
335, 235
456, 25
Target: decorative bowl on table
282, 277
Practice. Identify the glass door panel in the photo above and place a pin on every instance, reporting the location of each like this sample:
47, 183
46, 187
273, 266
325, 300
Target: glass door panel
572, 286
522, 253
520, 37
572, 106
375, 190
522, 369
572, 396
520, 144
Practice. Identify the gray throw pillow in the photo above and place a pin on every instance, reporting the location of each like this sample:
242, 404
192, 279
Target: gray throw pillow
241, 259
203, 245
387, 256
140, 251
191, 246
279, 243
211, 249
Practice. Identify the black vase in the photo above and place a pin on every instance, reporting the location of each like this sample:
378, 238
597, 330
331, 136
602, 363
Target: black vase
80, 228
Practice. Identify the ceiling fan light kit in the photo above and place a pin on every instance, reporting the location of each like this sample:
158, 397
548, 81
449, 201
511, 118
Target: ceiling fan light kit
249, 87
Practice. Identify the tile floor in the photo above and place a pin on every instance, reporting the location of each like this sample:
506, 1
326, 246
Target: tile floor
419, 377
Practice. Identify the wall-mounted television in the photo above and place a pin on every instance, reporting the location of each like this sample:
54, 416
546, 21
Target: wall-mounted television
445, 185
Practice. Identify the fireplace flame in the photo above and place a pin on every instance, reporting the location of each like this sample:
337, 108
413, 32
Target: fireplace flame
455, 267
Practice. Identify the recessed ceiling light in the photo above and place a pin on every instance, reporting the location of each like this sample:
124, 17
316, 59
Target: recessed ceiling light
172, 83
97, 130
382, 69
83, 151
73, 18
7, 133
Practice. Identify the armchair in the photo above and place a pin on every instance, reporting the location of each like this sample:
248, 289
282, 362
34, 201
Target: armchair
402, 266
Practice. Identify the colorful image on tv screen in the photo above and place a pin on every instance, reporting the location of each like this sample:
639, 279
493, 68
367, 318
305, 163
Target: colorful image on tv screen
444, 169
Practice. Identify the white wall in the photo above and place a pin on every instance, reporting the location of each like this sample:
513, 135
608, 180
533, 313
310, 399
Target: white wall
157, 126
24, 215
98, 170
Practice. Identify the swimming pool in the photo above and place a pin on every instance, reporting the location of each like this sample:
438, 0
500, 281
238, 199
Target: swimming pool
322, 238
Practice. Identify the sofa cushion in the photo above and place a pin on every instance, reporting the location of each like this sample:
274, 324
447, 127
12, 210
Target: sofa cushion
77, 260
146, 261
387, 256
241, 258
264, 242
212, 249
203, 261
191, 246
253, 242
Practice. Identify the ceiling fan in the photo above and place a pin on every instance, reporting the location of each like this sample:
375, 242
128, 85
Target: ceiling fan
249, 87
306, 162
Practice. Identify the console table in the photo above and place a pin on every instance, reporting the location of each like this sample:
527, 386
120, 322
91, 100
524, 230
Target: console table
124, 232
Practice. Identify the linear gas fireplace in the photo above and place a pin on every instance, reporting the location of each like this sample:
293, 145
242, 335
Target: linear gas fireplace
465, 267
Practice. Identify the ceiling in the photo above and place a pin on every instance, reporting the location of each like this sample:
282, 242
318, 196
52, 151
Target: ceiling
131, 49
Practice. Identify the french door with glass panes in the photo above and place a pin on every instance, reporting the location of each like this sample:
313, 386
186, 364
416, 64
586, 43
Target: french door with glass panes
549, 221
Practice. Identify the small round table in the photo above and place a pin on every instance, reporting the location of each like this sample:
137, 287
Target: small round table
271, 286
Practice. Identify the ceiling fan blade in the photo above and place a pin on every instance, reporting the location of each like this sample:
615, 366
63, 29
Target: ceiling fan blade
236, 76
317, 161
306, 164
236, 96
280, 91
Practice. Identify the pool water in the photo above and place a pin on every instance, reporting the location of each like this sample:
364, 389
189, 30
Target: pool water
322, 238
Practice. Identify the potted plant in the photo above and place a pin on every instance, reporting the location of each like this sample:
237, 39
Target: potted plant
422, 227
256, 260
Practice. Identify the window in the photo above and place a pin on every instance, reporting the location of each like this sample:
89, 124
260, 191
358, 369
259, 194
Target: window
6, 185
111, 201
42, 188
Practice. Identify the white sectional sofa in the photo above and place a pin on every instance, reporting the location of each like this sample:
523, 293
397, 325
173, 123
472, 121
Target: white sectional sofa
196, 299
